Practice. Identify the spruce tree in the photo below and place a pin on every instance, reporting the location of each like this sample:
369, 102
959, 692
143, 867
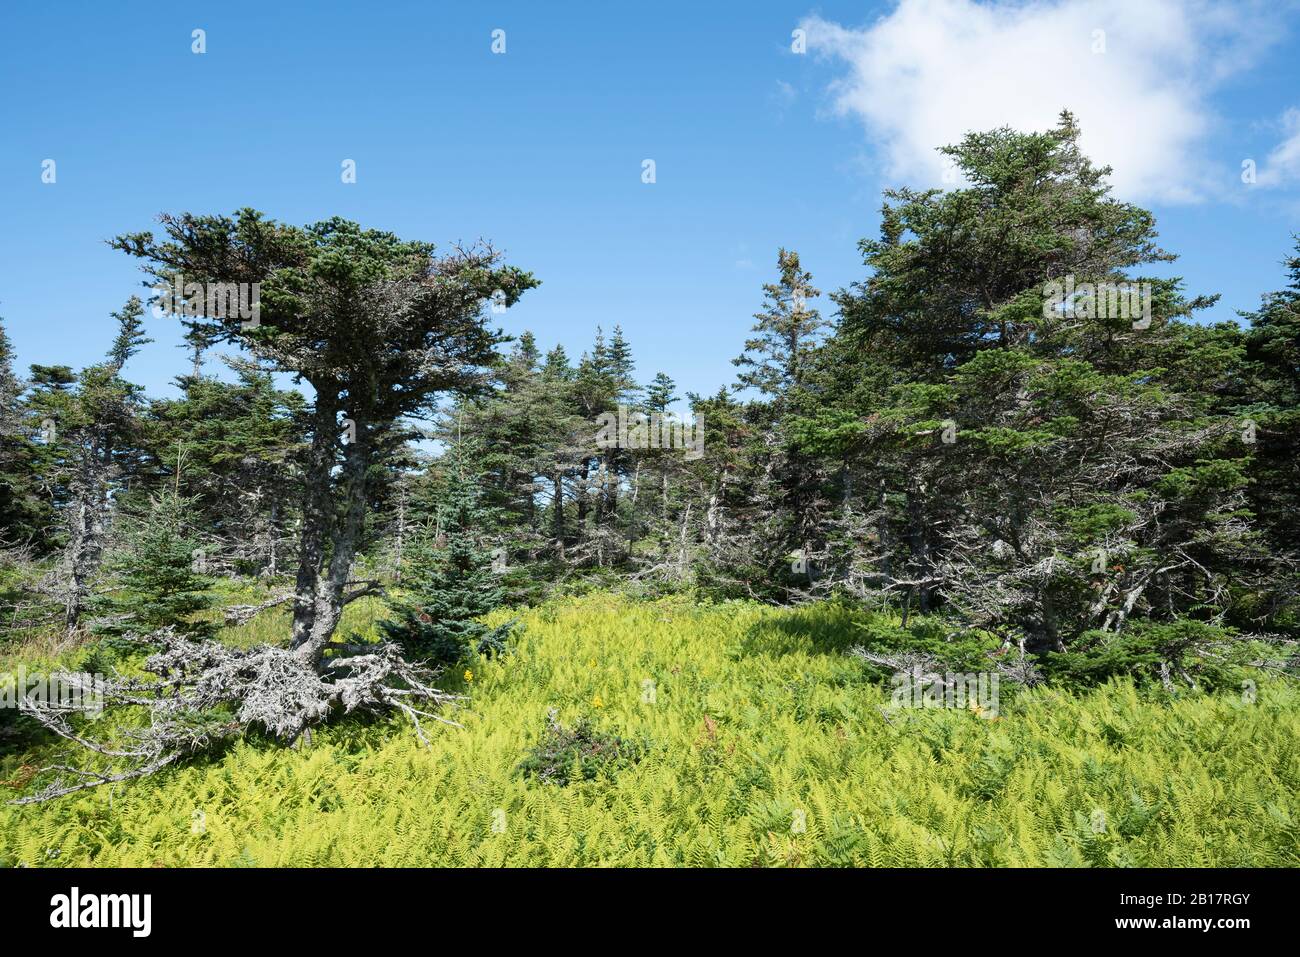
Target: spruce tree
89, 450
378, 326
1271, 404
24, 516
241, 445
775, 360
778, 361
450, 580
157, 574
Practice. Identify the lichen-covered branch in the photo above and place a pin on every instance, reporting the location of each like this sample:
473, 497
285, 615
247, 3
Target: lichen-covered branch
203, 694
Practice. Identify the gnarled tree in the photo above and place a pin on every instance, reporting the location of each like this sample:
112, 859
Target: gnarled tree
378, 326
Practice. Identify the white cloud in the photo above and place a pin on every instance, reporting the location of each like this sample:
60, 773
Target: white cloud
933, 70
1283, 163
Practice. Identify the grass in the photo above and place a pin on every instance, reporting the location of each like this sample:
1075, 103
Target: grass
760, 743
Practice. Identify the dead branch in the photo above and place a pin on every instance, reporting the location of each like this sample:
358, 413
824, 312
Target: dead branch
204, 694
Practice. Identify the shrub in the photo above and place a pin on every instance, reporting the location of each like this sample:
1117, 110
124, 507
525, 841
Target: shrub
954, 648
1190, 653
580, 753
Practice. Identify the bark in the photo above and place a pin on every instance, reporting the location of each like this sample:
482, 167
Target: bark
399, 542
920, 546
344, 532
86, 535
632, 522
713, 517
557, 481
318, 519
683, 543
273, 564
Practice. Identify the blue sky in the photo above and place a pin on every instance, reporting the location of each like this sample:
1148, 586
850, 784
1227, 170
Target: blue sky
540, 149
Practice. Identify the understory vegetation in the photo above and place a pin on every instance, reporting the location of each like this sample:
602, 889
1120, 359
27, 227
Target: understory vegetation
761, 743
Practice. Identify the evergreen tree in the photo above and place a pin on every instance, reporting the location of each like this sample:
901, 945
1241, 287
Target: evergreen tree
156, 574
660, 393
449, 579
1269, 407
1046, 474
379, 327
603, 381
776, 360
90, 449
25, 517
239, 446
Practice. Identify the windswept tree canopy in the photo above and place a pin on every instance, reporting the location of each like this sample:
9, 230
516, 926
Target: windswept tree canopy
383, 321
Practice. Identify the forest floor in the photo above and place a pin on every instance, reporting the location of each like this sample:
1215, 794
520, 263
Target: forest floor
747, 736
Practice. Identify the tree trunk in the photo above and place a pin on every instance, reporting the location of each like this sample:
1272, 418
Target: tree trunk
398, 543
273, 566
86, 534
920, 545
329, 597
682, 549
318, 517
713, 517
557, 481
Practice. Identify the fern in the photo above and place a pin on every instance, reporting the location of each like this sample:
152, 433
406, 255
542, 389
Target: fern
752, 720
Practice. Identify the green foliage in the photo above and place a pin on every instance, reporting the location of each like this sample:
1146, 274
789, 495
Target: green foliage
1118, 498
238, 446
753, 714
1188, 652
579, 753
156, 583
24, 514
1096, 520
958, 649
450, 582
1202, 480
